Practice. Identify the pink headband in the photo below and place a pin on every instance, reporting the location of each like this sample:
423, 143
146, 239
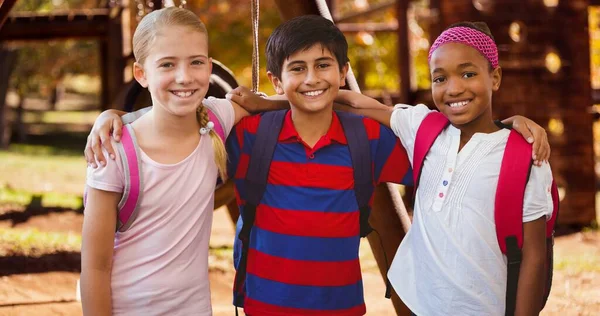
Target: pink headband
471, 37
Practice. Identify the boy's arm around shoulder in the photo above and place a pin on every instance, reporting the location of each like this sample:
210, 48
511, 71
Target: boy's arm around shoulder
537, 210
98, 234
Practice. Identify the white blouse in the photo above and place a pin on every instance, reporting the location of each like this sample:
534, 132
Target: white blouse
450, 263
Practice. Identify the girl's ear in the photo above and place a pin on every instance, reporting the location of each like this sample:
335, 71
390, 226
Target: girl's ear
496, 78
139, 74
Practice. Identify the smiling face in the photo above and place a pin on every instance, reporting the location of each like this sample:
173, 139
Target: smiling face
176, 70
462, 84
310, 79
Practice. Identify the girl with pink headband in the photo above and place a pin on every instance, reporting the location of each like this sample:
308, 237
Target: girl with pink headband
450, 262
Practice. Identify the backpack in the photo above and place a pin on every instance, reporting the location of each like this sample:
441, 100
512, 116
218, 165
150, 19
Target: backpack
258, 172
129, 153
508, 208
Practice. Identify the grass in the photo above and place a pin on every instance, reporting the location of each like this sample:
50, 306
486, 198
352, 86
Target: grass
31, 242
593, 226
41, 169
48, 199
585, 262
61, 117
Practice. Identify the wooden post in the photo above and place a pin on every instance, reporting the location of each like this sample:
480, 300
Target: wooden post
7, 65
403, 50
112, 63
7, 61
5, 7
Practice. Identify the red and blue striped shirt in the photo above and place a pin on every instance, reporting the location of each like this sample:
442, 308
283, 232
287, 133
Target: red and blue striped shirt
303, 257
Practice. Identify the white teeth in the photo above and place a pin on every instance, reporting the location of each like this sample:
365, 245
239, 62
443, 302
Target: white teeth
458, 104
183, 94
313, 93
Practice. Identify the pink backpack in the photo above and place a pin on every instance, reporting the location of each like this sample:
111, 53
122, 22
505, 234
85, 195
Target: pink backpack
508, 209
130, 157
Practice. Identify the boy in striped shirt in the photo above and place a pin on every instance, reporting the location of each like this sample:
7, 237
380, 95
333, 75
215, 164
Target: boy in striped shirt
303, 249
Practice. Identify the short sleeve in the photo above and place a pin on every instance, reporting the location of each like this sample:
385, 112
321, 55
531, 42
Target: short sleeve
538, 194
223, 109
405, 122
237, 146
391, 163
107, 178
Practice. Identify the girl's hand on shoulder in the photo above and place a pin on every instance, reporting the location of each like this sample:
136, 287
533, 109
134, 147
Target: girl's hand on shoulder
534, 134
100, 136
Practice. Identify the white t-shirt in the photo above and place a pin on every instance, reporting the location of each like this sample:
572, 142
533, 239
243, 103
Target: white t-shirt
450, 263
160, 264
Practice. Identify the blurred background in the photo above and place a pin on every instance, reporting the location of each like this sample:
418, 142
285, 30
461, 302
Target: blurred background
64, 61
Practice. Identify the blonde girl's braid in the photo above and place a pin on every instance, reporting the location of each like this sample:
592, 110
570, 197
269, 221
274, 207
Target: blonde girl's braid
217, 142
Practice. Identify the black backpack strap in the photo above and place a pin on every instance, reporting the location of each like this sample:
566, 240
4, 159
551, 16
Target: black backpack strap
364, 185
256, 183
360, 152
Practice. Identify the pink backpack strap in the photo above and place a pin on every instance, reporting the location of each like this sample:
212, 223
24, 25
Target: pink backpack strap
555, 201
508, 210
431, 127
218, 125
510, 192
132, 193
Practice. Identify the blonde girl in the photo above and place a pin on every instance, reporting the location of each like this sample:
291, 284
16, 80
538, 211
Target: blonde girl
157, 262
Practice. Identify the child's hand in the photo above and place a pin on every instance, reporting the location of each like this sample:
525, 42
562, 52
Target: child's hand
533, 133
100, 136
247, 99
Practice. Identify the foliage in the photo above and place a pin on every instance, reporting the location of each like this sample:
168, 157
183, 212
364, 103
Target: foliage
229, 27
40, 66
46, 6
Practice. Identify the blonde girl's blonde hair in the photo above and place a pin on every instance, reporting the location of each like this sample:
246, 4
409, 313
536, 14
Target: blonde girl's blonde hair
152, 25
217, 142
158, 22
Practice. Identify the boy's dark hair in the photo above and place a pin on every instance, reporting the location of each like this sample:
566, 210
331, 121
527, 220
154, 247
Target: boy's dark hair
479, 26
301, 33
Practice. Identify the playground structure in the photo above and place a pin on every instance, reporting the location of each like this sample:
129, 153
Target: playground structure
546, 71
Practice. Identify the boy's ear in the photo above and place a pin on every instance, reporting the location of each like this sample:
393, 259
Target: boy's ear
139, 74
344, 74
277, 84
496, 78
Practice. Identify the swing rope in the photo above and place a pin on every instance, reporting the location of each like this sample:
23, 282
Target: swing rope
353, 84
255, 54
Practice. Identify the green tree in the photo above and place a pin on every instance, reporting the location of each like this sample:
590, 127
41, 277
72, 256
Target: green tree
42, 65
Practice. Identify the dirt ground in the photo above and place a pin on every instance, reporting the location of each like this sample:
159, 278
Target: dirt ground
576, 289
